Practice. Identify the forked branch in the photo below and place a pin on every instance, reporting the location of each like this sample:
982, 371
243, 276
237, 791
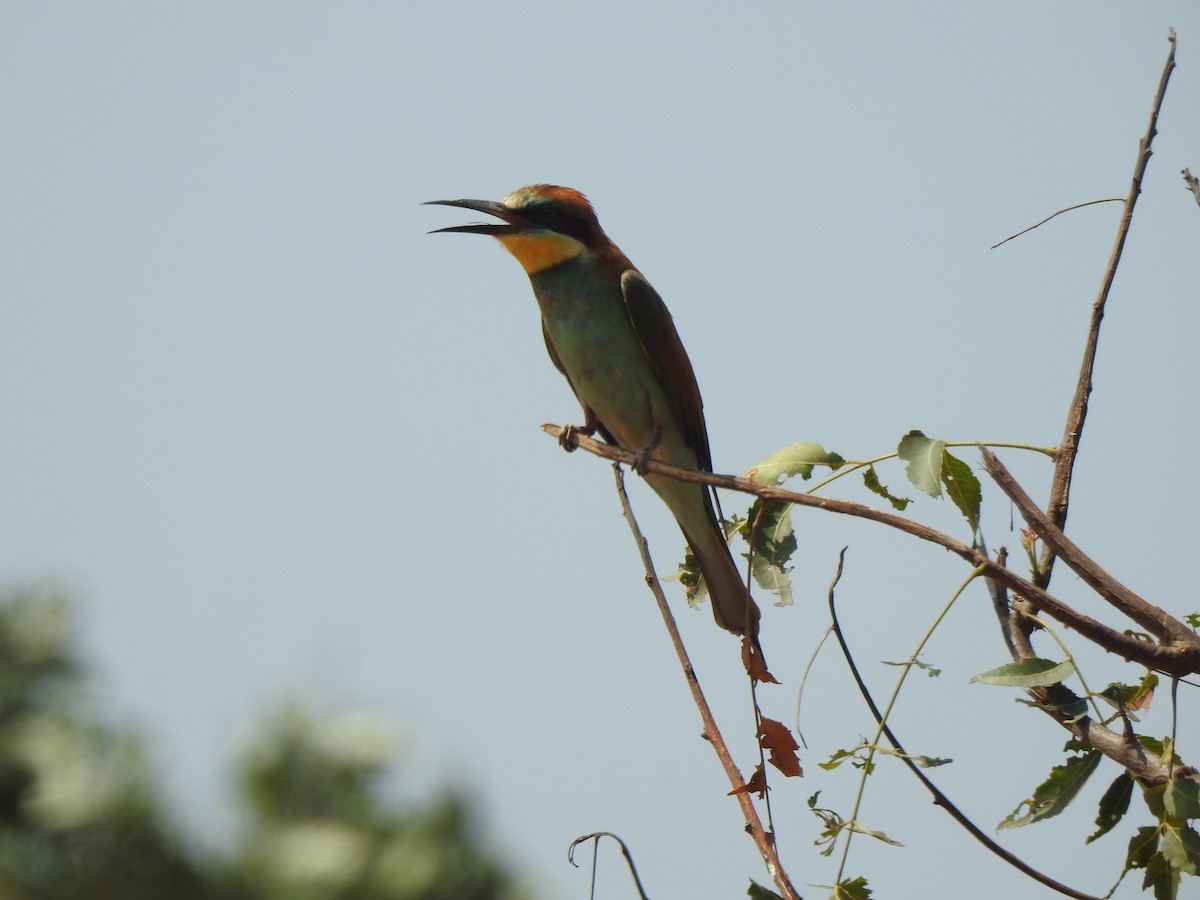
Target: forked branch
1064, 465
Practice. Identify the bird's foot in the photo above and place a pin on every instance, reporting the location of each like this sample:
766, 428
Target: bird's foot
568, 436
643, 456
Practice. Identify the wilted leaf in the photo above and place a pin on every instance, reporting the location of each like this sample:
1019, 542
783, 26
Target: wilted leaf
1032, 672
878, 835
931, 671
924, 457
1145, 693
871, 480
1054, 794
925, 762
796, 459
775, 737
1113, 805
756, 785
756, 665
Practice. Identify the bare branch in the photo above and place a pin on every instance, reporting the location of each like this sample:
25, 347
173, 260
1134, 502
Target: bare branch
1153, 618
1064, 465
762, 839
1173, 660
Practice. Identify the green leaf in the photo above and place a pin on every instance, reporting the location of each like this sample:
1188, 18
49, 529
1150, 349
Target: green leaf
1161, 748
796, 459
758, 892
1054, 794
858, 757
962, 487
768, 531
835, 760
871, 480
1182, 799
1142, 846
1161, 876
852, 889
1032, 672
925, 459
695, 590
1180, 847
833, 823
1113, 805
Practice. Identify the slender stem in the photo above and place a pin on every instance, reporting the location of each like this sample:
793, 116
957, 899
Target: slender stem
764, 840
851, 466
939, 798
887, 711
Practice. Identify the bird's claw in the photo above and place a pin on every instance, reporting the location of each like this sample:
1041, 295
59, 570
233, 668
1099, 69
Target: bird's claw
640, 459
568, 438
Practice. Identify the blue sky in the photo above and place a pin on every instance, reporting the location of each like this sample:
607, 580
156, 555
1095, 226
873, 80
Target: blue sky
278, 442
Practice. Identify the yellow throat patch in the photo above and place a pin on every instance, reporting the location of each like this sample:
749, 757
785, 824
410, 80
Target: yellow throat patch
540, 250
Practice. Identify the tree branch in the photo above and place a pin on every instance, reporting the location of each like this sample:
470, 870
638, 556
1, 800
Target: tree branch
1064, 466
764, 840
939, 798
1172, 660
1153, 618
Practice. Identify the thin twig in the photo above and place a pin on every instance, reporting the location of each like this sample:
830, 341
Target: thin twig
1064, 465
939, 798
1052, 215
804, 680
595, 836
1172, 660
762, 839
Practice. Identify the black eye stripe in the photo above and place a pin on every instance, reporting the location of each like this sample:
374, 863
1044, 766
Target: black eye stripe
556, 219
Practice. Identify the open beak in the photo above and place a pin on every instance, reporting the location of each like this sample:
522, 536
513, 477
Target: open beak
513, 221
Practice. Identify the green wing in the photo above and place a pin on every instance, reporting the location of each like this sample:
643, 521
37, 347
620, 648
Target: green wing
660, 342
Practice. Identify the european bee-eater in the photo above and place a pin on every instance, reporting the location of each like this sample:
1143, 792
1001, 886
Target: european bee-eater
610, 334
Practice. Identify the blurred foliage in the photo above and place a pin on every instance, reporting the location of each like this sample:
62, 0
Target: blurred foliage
81, 817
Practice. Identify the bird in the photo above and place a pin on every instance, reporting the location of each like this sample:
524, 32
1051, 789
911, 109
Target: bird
610, 334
